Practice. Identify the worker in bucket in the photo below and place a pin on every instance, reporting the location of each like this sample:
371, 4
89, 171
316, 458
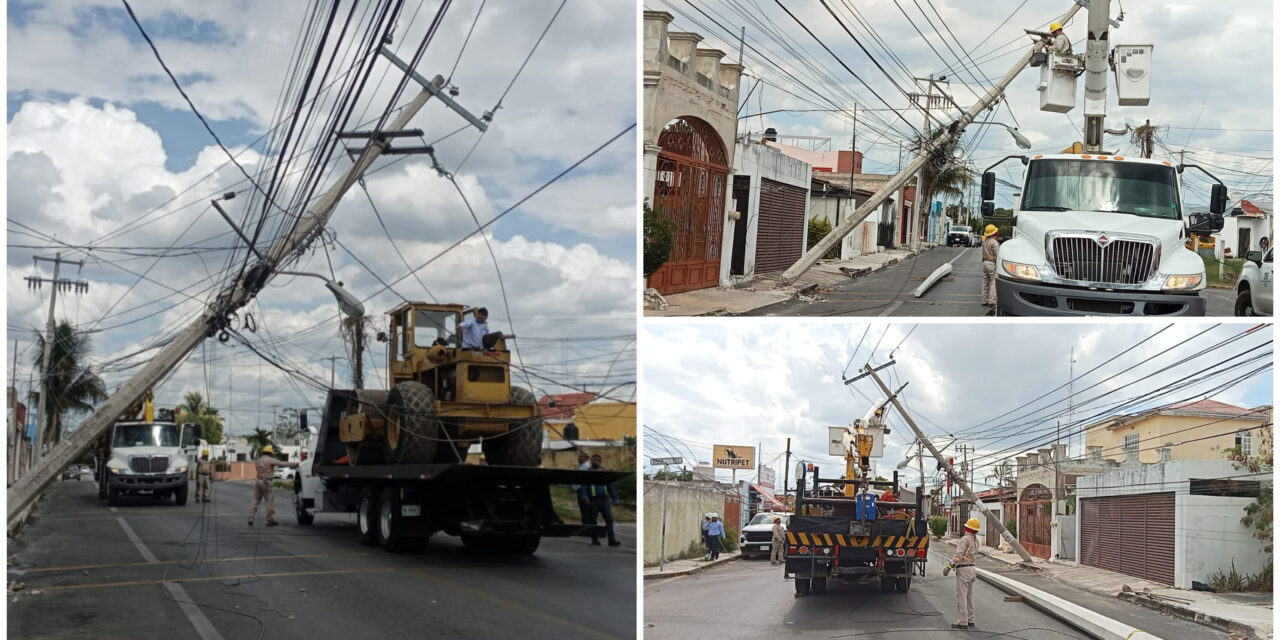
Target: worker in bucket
990, 247
204, 476
265, 468
1058, 44
962, 560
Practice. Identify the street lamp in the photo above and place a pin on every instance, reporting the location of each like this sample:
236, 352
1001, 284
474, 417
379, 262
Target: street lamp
349, 304
1017, 137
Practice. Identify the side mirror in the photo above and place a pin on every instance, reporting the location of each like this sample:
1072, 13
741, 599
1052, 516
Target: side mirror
1254, 256
1205, 223
1218, 200
989, 186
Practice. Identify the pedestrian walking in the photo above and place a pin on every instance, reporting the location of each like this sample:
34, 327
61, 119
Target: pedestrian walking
778, 541
966, 573
204, 476
990, 246
265, 468
706, 541
584, 500
715, 531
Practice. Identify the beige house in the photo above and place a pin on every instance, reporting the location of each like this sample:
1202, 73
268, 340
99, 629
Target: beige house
1198, 430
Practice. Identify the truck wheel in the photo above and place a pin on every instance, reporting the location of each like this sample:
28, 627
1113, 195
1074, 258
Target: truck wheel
802, 586
102, 488
113, 497
886, 585
522, 444
390, 522
413, 427
367, 517
1244, 304
180, 495
819, 585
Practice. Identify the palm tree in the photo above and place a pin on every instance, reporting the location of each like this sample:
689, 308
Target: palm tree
195, 409
257, 440
71, 385
941, 174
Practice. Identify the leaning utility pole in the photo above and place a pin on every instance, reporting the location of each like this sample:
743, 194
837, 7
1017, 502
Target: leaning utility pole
237, 294
35, 282
953, 130
960, 480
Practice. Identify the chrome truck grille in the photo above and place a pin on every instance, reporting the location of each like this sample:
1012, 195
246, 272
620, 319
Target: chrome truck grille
1104, 259
153, 464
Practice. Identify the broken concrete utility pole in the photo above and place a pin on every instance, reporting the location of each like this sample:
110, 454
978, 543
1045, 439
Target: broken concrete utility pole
960, 481
953, 130
213, 319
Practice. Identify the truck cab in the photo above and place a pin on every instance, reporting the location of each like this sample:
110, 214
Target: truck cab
144, 458
1100, 235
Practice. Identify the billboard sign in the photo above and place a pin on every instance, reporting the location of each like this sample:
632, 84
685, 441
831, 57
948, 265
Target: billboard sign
729, 456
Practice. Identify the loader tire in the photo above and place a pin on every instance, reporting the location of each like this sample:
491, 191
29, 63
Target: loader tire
413, 428
521, 446
802, 586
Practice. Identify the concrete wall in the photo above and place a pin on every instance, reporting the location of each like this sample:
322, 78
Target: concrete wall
1208, 535
1229, 237
862, 240
1156, 430
757, 161
687, 502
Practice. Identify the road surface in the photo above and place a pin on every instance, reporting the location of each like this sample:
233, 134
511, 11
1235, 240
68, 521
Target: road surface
90, 571
887, 292
749, 599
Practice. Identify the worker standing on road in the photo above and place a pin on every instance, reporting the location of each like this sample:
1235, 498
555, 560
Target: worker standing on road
966, 573
775, 545
204, 476
265, 466
715, 531
603, 498
474, 329
990, 246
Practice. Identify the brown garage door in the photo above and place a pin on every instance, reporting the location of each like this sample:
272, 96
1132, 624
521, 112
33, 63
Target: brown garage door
780, 234
1132, 535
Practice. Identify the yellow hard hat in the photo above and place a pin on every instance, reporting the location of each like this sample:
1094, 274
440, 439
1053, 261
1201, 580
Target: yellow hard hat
204, 452
268, 449
973, 525
777, 519
991, 230
1055, 26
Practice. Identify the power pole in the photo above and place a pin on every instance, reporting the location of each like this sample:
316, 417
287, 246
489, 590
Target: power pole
961, 481
843, 229
786, 474
36, 282
237, 294
331, 360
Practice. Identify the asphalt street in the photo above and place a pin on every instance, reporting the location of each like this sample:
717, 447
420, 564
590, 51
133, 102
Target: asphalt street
90, 571
888, 292
750, 599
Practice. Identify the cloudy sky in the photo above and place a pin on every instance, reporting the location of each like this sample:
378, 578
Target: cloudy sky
1212, 76
760, 382
107, 164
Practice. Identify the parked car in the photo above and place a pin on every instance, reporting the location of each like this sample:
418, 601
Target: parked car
85, 473
285, 473
1255, 288
960, 236
757, 535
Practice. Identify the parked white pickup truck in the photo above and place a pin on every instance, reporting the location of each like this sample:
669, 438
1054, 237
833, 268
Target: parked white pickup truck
1255, 291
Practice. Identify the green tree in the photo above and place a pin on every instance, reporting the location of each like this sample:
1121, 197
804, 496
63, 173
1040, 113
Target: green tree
1258, 515
195, 409
72, 386
819, 228
659, 232
257, 440
682, 475
941, 173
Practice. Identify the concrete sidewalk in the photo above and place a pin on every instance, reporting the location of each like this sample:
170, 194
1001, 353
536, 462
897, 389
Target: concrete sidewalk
1249, 614
676, 568
766, 289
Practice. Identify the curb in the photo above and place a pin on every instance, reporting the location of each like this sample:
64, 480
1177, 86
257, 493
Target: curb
1094, 624
1206, 619
689, 572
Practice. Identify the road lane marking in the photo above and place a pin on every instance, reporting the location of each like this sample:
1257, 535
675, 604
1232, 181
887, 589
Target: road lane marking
893, 307
116, 565
958, 256
514, 606
204, 628
114, 510
244, 576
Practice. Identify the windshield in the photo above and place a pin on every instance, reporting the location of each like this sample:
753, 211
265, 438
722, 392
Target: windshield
767, 518
1114, 187
146, 435
959, 229
434, 327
